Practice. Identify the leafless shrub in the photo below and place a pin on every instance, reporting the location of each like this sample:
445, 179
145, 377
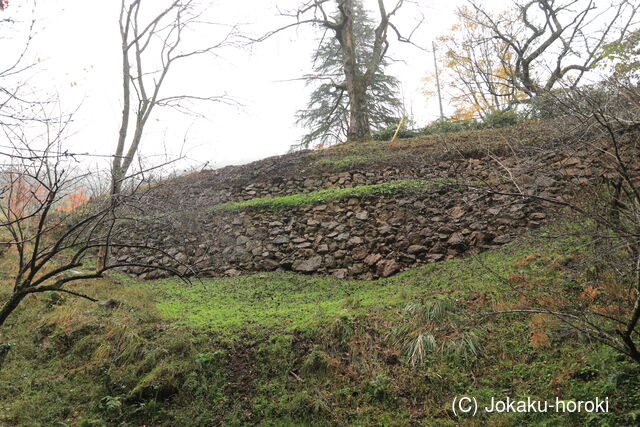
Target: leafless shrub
602, 122
53, 226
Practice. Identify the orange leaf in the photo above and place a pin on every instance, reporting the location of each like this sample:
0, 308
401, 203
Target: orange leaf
539, 339
589, 293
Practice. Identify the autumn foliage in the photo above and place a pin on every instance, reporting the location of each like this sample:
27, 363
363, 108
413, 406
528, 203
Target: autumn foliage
72, 201
478, 70
24, 197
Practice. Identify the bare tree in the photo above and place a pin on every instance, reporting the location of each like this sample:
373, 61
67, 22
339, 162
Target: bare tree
52, 230
601, 122
477, 69
19, 103
46, 221
358, 74
555, 41
154, 39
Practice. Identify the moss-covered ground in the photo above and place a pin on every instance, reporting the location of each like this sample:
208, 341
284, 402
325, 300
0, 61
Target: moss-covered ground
285, 349
396, 187
401, 186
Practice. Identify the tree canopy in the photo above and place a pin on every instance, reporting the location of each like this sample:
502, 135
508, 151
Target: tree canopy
326, 114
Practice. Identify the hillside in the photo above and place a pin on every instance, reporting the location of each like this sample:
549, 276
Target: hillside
352, 164
347, 286
365, 210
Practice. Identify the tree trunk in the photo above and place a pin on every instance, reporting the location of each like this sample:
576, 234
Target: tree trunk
355, 82
104, 252
359, 128
101, 261
10, 305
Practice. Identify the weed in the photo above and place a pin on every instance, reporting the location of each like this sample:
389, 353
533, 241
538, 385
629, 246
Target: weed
423, 323
316, 363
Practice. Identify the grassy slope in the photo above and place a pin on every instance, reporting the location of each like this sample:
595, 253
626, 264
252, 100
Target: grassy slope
286, 349
281, 348
331, 194
420, 150
400, 186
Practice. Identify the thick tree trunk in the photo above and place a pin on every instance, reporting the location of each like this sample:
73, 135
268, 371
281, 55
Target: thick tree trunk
359, 127
10, 305
355, 82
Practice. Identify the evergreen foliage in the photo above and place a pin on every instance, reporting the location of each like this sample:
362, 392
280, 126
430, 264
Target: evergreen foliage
326, 114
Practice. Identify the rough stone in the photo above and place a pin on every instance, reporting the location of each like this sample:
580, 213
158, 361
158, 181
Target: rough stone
362, 215
416, 249
372, 259
457, 212
385, 229
505, 238
456, 240
323, 249
342, 237
341, 273
386, 268
356, 268
308, 265
280, 240
354, 241
359, 252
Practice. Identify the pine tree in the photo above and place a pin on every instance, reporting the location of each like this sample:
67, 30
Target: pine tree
327, 113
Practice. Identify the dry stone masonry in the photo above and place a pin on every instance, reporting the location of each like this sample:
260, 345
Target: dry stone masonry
365, 238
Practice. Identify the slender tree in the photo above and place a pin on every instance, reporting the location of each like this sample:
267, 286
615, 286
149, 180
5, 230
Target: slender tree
52, 228
327, 112
19, 103
478, 69
151, 48
152, 44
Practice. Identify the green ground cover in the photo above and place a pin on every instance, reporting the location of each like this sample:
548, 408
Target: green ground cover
286, 349
331, 194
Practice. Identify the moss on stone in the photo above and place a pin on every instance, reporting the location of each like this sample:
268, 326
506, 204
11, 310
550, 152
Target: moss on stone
332, 194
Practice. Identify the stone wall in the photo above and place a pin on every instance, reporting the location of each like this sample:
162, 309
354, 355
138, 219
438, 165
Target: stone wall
363, 238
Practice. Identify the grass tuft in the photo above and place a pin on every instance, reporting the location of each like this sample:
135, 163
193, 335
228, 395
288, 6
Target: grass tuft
331, 194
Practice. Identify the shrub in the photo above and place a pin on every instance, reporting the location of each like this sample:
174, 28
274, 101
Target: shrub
560, 102
380, 388
450, 125
429, 330
501, 118
316, 364
387, 133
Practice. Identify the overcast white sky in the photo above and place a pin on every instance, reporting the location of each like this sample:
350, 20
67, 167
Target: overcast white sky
79, 48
